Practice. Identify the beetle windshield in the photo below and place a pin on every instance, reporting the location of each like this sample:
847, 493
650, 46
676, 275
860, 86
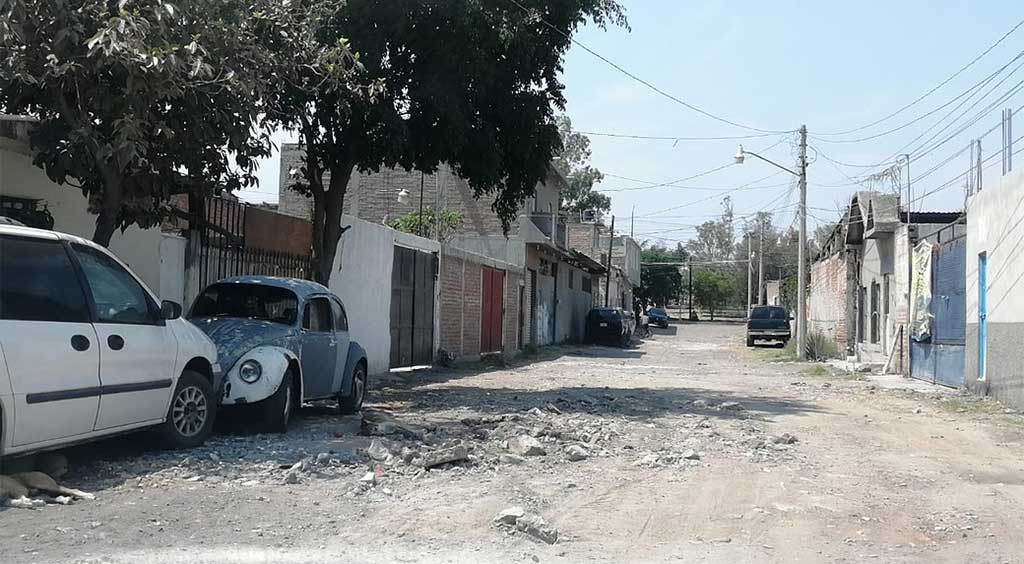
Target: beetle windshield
250, 301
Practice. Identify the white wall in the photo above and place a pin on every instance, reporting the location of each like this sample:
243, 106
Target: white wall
138, 248
362, 279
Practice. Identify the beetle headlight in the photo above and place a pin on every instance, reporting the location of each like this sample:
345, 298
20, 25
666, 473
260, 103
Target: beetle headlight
250, 371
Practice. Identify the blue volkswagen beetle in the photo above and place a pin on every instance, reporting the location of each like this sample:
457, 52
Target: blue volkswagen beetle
281, 341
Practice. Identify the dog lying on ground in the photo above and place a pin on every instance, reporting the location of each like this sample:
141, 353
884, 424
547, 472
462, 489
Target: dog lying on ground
19, 487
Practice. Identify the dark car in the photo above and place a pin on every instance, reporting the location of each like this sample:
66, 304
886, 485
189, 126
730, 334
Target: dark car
768, 323
658, 317
609, 325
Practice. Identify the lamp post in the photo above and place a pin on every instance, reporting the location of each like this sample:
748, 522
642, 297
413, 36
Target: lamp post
801, 285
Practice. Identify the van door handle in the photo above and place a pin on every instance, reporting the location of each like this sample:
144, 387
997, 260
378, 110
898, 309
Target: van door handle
115, 342
79, 342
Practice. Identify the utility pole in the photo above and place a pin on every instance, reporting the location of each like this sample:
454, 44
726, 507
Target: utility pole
689, 274
750, 274
760, 267
910, 270
632, 216
801, 286
608, 278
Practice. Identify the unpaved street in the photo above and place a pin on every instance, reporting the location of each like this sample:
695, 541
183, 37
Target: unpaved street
687, 448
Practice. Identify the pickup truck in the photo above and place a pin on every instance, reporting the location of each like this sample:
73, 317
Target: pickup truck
768, 323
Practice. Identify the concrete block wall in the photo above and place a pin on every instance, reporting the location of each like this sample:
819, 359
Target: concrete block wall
510, 329
451, 316
827, 299
995, 227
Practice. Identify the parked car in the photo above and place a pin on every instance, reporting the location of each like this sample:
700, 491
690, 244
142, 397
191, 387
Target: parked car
87, 351
281, 341
609, 325
658, 317
768, 323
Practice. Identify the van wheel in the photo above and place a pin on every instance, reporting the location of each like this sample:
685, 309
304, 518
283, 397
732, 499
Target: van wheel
192, 412
353, 402
277, 409
750, 341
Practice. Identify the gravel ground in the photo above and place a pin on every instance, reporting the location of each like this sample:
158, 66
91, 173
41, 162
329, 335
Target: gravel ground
686, 448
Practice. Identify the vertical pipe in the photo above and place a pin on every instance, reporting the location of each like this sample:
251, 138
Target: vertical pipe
608, 278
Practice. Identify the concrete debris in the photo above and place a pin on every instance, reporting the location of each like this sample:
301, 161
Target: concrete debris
576, 453
536, 412
506, 458
292, 477
379, 423
553, 409
377, 451
26, 503
525, 445
323, 459
509, 516
446, 456
699, 404
690, 454
535, 526
783, 439
369, 478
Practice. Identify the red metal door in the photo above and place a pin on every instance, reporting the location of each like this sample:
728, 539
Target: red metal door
491, 309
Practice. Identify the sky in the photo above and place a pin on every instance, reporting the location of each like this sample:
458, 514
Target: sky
774, 66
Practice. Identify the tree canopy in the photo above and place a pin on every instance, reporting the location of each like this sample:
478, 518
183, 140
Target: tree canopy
473, 84
659, 284
138, 100
712, 290
574, 162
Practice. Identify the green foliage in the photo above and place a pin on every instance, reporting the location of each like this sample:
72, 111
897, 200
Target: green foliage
819, 347
659, 284
715, 240
712, 290
141, 99
442, 225
574, 162
472, 84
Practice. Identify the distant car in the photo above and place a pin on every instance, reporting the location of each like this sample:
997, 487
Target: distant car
768, 323
658, 317
281, 341
609, 325
87, 351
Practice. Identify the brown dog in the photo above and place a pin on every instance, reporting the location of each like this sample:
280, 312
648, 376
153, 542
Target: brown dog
20, 489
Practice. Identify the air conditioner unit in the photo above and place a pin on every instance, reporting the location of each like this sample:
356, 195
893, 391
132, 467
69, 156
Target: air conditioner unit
589, 216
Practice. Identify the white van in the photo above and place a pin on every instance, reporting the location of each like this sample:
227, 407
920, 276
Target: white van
86, 350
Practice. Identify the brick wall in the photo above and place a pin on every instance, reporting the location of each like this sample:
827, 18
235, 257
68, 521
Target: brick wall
827, 304
510, 329
451, 305
472, 281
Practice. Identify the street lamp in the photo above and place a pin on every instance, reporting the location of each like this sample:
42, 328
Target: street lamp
801, 292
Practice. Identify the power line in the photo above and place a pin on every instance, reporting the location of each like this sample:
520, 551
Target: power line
674, 138
933, 90
642, 81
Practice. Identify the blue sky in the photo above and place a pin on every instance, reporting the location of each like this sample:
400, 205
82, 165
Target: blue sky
776, 65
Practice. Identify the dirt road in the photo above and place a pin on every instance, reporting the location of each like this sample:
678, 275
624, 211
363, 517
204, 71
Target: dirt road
687, 448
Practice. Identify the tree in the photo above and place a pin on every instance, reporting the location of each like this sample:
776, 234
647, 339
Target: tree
715, 239
659, 284
138, 99
444, 223
573, 161
711, 290
471, 83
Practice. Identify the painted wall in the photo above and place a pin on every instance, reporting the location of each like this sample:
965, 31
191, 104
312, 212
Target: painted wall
995, 226
140, 249
362, 279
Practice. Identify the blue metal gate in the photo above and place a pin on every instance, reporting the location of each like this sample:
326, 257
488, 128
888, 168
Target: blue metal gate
940, 359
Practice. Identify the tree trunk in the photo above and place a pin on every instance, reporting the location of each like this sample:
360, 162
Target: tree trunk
327, 222
110, 208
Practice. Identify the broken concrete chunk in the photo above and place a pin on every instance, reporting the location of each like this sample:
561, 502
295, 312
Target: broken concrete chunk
507, 458
535, 526
323, 459
783, 439
525, 445
369, 478
292, 477
731, 406
576, 453
699, 404
446, 456
536, 412
690, 454
380, 423
509, 516
377, 451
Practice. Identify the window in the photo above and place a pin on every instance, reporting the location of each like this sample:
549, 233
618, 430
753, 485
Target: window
316, 317
247, 301
874, 312
586, 281
38, 282
117, 295
340, 319
572, 275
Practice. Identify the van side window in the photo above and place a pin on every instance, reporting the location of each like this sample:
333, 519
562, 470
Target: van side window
39, 283
118, 296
